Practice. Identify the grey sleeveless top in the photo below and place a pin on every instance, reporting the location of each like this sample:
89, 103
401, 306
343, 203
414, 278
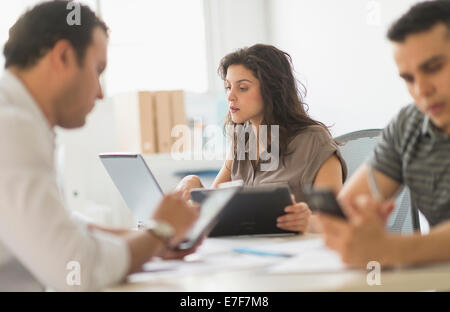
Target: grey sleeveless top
309, 149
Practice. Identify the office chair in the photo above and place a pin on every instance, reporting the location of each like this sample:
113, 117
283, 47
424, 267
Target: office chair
356, 148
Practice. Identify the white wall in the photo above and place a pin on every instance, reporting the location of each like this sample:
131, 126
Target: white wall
86, 185
340, 52
230, 25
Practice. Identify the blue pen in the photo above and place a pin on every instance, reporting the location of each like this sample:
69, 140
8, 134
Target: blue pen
261, 253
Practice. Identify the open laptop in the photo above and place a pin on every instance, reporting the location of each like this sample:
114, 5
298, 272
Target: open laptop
142, 194
136, 183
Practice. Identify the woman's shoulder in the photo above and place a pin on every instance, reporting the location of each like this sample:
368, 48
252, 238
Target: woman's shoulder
312, 134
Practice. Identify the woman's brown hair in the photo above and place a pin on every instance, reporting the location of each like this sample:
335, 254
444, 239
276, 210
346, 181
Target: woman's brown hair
281, 92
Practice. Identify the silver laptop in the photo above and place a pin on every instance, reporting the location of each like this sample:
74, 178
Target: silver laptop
142, 194
136, 183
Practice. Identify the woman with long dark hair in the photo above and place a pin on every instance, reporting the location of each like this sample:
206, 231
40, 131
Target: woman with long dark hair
262, 91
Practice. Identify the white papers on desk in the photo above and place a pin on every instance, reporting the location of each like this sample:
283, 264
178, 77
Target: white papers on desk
308, 256
293, 248
314, 258
215, 256
203, 265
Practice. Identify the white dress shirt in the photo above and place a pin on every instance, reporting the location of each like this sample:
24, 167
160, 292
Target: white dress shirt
39, 239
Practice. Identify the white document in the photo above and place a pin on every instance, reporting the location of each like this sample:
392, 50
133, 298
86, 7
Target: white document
315, 260
217, 255
214, 255
307, 256
292, 248
196, 264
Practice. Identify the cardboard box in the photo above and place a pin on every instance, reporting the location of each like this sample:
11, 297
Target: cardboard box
135, 120
163, 121
178, 115
178, 112
145, 120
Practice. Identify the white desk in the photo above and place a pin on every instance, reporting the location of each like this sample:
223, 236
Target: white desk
435, 277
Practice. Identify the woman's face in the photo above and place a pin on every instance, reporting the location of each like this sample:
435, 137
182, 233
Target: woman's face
243, 95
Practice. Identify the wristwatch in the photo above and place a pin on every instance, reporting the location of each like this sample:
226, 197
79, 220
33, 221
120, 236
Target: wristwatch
162, 230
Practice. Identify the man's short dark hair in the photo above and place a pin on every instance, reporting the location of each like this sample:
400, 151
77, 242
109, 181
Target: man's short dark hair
421, 17
38, 30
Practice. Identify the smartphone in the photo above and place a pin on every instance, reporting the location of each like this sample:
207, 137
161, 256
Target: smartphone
325, 202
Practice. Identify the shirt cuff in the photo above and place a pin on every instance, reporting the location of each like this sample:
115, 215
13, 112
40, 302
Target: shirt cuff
115, 258
81, 220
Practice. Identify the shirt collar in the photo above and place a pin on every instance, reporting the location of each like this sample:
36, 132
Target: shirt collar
20, 96
428, 128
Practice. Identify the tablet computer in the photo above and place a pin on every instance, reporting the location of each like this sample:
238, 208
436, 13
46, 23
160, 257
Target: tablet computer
210, 211
200, 194
252, 211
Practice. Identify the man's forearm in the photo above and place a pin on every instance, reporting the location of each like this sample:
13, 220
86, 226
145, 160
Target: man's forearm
420, 249
118, 231
358, 184
142, 246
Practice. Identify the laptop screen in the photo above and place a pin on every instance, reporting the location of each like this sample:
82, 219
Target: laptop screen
135, 182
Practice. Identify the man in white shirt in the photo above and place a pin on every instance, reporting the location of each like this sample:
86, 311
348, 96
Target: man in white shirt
52, 79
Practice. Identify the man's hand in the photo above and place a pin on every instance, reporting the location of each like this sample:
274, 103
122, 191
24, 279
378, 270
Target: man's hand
175, 253
363, 238
176, 211
187, 184
385, 209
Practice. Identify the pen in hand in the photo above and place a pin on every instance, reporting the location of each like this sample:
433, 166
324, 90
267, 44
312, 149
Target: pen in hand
373, 185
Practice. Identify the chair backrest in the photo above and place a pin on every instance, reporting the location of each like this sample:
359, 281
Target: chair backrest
356, 148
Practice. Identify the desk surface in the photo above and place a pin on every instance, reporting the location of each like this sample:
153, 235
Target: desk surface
425, 278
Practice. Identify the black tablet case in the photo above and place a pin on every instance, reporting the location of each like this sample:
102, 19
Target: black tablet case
253, 211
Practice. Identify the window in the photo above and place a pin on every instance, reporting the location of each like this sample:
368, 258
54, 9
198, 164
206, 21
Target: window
155, 44
11, 10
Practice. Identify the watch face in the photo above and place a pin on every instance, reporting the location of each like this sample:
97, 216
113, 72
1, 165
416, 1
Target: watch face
161, 229
164, 229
